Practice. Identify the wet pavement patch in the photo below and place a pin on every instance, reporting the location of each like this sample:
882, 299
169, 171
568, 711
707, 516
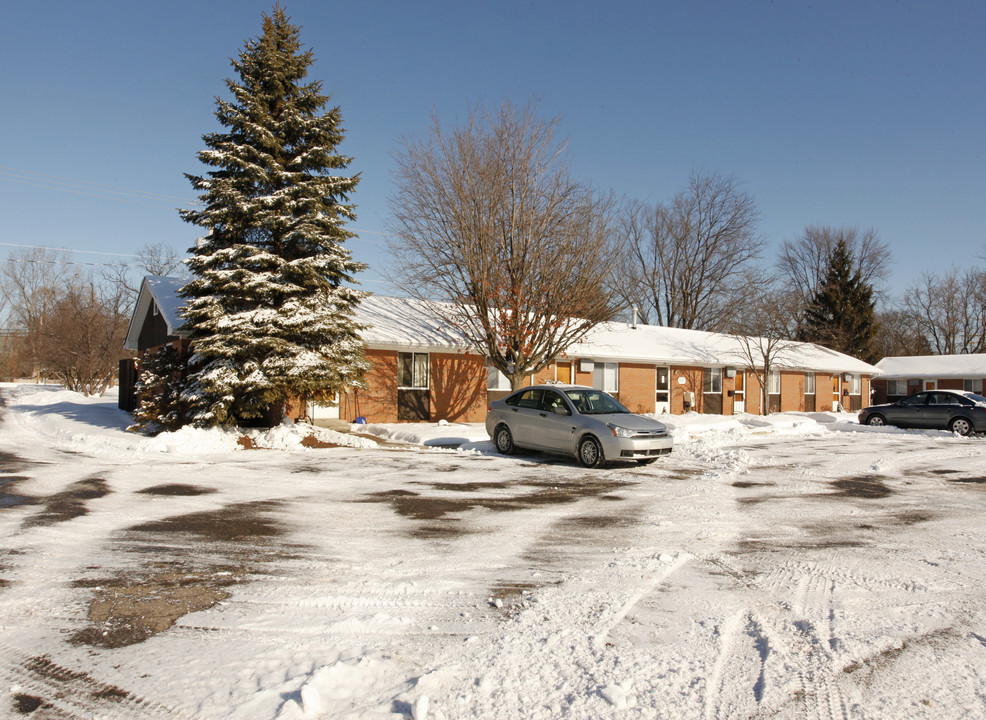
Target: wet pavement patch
912, 517
417, 506
177, 490
598, 522
233, 522
866, 487
129, 606
126, 610
746, 485
434, 514
9, 497
27, 704
968, 480
466, 487
70, 503
10, 463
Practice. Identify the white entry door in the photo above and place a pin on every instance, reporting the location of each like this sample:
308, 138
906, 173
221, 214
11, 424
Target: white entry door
739, 392
662, 396
325, 412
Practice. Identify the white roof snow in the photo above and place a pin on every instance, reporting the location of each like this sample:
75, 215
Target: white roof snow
398, 323
934, 366
401, 322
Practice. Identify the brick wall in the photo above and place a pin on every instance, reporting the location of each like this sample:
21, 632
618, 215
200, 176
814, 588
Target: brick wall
792, 391
458, 388
637, 383
378, 402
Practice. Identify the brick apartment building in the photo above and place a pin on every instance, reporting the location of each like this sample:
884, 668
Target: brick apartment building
423, 370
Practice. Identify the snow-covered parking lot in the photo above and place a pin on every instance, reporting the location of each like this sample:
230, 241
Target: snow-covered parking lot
796, 566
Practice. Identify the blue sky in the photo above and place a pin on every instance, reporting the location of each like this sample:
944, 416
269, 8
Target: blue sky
870, 114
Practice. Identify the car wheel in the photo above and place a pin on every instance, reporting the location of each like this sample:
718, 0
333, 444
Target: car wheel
503, 440
590, 453
960, 426
876, 421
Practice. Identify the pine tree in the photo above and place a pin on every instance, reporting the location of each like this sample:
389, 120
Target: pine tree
841, 316
268, 309
161, 405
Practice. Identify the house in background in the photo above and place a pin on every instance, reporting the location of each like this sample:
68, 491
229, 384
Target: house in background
423, 370
903, 376
153, 324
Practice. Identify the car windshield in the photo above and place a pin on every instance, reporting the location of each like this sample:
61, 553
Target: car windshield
595, 402
978, 399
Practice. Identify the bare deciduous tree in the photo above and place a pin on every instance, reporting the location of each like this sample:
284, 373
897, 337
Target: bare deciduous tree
765, 341
899, 335
80, 339
950, 310
685, 264
151, 259
488, 219
31, 280
804, 262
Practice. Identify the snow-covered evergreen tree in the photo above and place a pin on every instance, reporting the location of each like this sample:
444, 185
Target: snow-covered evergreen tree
161, 404
269, 309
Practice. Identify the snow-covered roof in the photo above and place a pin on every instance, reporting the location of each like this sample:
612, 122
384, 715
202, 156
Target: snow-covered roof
934, 366
657, 344
396, 323
163, 292
402, 322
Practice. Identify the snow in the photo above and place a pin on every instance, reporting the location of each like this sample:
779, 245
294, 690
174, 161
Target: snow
934, 366
795, 565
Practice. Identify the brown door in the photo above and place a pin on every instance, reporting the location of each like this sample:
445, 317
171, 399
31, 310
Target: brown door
739, 392
563, 373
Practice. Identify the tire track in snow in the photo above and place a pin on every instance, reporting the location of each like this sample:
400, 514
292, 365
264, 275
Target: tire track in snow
736, 686
603, 628
48, 686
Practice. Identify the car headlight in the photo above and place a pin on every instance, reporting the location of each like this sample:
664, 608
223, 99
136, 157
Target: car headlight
621, 431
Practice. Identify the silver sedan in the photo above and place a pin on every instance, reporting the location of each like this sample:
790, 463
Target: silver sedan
588, 424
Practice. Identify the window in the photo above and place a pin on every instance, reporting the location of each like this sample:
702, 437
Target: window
712, 380
496, 380
896, 387
530, 399
552, 402
809, 383
855, 384
774, 382
973, 385
412, 369
606, 377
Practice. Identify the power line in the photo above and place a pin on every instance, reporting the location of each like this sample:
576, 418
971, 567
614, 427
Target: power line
83, 187
84, 252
